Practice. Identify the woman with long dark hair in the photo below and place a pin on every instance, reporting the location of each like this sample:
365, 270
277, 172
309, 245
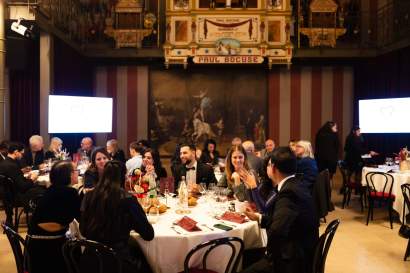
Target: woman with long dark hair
59, 206
109, 213
151, 163
99, 158
209, 154
238, 174
327, 147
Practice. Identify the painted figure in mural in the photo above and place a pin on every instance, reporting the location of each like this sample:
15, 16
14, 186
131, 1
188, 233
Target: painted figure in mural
204, 103
250, 123
259, 131
219, 126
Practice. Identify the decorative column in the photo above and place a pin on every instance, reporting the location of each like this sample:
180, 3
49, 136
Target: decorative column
46, 80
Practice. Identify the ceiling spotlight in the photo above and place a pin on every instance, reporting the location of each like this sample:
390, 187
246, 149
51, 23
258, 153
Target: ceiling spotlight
22, 30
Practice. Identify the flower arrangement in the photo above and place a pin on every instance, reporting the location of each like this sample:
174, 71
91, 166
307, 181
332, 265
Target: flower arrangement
140, 183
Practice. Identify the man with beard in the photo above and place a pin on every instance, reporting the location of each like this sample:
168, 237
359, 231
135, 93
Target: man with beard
194, 171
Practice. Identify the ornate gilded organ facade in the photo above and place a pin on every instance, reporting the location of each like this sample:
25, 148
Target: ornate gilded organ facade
228, 32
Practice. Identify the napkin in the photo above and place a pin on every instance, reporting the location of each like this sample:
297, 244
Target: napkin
188, 224
234, 217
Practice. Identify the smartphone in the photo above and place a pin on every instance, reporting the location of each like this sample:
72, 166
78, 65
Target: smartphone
223, 227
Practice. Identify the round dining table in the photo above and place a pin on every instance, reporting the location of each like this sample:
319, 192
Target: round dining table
167, 251
400, 178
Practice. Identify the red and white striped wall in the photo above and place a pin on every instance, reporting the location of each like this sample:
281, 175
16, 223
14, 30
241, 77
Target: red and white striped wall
302, 99
128, 86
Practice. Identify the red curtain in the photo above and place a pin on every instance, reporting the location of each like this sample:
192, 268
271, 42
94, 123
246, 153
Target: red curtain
25, 97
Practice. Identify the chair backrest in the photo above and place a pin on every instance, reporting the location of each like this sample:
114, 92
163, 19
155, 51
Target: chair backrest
212, 245
8, 197
387, 183
16, 243
75, 252
405, 189
322, 247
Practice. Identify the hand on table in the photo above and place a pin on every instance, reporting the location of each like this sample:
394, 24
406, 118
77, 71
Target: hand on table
373, 153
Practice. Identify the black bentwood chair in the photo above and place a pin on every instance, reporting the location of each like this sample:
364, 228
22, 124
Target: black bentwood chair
322, 247
405, 229
90, 256
382, 194
17, 244
233, 261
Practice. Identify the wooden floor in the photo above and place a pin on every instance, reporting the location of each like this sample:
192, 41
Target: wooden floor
355, 248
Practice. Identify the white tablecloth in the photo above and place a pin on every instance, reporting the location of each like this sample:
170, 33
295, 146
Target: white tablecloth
400, 178
167, 251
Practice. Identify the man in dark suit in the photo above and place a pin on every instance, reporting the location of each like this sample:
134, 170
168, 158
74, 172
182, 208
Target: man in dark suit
34, 155
23, 187
291, 223
193, 170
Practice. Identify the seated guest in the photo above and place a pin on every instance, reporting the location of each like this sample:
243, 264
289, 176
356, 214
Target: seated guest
291, 223
151, 164
24, 187
269, 146
109, 213
292, 144
264, 193
114, 151
238, 174
34, 155
59, 206
54, 149
86, 147
306, 164
236, 141
135, 161
195, 172
255, 163
4, 146
98, 160
209, 154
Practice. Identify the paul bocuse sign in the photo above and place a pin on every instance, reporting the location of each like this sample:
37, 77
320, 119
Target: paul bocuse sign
238, 59
242, 28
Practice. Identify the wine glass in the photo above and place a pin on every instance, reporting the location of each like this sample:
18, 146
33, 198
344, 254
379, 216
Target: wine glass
146, 203
202, 188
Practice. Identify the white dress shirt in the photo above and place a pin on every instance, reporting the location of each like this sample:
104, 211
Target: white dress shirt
133, 163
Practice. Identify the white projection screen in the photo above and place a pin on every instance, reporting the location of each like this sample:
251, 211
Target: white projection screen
384, 115
73, 114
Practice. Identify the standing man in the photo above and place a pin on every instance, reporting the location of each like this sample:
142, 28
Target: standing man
193, 170
291, 223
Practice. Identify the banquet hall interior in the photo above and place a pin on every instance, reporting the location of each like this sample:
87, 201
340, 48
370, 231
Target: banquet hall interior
190, 105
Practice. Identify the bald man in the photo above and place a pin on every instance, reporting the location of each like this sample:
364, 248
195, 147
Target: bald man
86, 147
269, 147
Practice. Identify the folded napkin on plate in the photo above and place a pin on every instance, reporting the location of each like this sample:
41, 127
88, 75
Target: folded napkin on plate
234, 217
188, 224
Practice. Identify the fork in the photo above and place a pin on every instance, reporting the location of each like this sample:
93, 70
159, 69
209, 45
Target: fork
180, 233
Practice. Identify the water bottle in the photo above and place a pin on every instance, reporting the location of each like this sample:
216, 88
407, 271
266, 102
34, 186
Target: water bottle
183, 195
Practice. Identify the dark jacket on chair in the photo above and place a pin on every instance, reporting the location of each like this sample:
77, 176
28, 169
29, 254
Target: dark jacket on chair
292, 228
